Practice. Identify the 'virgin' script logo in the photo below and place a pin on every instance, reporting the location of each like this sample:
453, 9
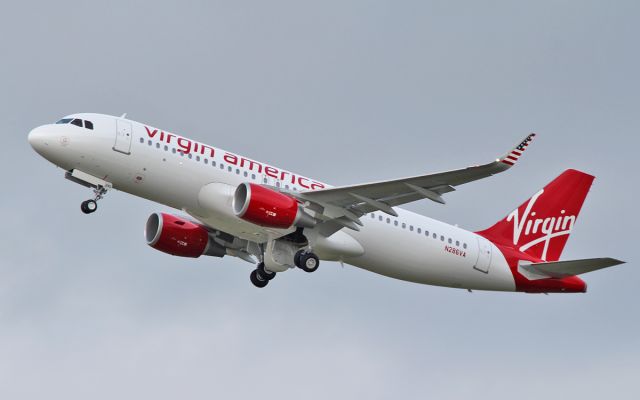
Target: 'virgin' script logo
550, 227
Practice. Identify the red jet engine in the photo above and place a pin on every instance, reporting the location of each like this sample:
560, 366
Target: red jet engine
179, 237
269, 208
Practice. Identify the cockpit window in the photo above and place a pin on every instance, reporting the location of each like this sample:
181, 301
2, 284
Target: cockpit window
77, 122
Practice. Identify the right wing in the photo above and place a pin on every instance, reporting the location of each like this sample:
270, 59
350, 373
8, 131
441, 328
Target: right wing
343, 206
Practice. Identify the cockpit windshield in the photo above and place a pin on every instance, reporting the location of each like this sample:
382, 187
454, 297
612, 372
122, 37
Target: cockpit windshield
77, 122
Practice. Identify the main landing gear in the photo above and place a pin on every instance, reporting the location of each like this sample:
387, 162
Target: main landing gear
306, 261
91, 205
261, 276
303, 259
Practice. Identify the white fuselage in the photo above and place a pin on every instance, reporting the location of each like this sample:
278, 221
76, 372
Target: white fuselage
201, 183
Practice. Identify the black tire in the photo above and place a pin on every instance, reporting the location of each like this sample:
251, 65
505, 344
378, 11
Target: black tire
88, 206
264, 273
296, 257
257, 280
309, 262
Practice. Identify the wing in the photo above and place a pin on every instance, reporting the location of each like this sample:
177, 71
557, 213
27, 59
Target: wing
342, 206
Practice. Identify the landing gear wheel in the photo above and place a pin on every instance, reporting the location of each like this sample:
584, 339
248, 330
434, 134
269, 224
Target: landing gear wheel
296, 257
264, 273
309, 262
257, 279
89, 206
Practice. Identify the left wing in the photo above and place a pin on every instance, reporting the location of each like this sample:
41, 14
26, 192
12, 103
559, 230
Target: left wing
343, 206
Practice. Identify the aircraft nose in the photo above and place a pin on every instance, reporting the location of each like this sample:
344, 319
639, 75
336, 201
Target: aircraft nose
38, 139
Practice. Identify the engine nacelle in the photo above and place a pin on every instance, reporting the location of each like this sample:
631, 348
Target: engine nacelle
265, 207
179, 237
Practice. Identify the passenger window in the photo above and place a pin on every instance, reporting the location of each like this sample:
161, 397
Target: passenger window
277, 184
237, 171
206, 161
190, 155
166, 148
380, 218
173, 151
157, 145
426, 233
229, 169
411, 228
149, 142
247, 174
442, 238
419, 230
253, 176
221, 166
450, 241
213, 163
435, 236
404, 225
458, 243
141, 140
197, 158
88, 125
388, 220
77, 122
464, 246
395, 223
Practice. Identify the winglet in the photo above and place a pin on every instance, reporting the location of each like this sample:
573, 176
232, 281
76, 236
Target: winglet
511, 158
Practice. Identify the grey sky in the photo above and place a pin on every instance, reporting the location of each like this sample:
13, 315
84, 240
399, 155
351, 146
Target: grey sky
346, 92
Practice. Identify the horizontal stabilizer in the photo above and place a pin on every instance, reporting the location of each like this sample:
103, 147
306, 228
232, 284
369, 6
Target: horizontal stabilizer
562, 269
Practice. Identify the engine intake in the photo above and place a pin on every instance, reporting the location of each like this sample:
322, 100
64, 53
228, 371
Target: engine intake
179, 237
266, 207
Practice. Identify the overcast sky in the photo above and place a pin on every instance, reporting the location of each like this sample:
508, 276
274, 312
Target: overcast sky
346, 92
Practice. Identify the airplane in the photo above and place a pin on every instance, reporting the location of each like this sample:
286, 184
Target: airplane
279, 220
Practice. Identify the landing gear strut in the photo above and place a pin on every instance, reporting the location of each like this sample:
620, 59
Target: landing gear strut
91, 205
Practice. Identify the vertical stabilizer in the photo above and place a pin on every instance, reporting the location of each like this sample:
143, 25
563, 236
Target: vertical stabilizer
541, 226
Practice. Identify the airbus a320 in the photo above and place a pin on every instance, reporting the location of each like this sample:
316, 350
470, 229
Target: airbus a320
279, 220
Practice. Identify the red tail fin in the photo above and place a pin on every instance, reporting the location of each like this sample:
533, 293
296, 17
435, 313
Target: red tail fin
541, 226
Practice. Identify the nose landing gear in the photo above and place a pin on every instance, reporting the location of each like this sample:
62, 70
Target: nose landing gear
88, 206
91, 205
100, 188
